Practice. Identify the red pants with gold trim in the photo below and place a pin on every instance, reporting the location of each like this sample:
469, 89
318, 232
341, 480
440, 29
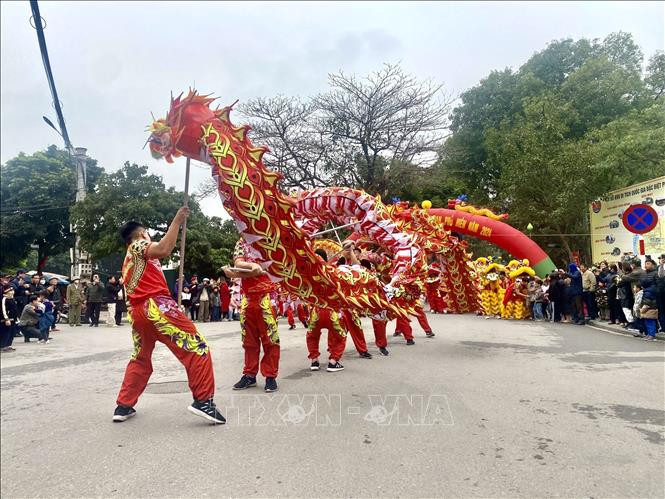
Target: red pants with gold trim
259, 328
422, 320
404, 325
322, 318
352, 323
379, 326
160, 319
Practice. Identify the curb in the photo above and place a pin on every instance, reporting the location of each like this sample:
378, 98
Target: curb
617, 330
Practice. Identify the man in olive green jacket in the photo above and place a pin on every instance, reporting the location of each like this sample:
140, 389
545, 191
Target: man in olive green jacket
75, 300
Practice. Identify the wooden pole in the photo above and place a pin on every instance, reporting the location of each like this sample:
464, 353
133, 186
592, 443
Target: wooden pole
183, 237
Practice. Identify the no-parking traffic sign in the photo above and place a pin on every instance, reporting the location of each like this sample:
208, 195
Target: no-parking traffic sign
640, 218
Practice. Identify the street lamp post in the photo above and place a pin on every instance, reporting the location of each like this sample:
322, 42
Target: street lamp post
78, 257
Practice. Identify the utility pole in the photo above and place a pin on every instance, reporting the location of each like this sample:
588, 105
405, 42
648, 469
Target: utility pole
79, 261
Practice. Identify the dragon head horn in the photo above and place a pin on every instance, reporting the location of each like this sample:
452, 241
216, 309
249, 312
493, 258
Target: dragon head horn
224, 113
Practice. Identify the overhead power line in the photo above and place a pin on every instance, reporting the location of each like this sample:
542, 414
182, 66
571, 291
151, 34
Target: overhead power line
37, 19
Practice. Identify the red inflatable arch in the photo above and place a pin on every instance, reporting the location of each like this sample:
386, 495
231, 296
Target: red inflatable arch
501, 234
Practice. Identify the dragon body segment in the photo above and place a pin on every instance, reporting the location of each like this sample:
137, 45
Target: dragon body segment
262, 213
280, 227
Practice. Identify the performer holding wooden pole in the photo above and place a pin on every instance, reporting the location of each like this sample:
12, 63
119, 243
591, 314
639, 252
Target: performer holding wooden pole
155, 316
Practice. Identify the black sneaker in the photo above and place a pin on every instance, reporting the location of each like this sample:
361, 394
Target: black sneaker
315, 366
333, 368
292, 326
410, 342
384, 351
305, 325
397, 333
123, 414
429, 334
207, 410
271, 385
245, 382
365, 355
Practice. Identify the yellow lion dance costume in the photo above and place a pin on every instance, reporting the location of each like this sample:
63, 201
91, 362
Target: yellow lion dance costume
491, 292
514, 300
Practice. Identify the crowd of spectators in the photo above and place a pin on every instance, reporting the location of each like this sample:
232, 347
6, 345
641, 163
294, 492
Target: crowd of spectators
622, 293
33, 306
210, 300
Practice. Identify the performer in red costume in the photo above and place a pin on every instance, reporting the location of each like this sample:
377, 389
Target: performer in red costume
155, 316
350, 319
432, 285
322, 318
303, 315
289, 314
257, 319
379, 321
225, 299
403, 326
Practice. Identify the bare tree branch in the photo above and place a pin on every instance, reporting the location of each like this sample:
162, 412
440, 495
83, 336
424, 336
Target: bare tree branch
352, 134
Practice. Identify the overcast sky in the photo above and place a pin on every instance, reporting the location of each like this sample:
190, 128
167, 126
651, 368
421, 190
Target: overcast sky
114, 62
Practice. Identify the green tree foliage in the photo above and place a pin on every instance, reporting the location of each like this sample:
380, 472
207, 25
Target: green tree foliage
655, 78
210, 244
132, 194
127, 194
37, 191
575, 121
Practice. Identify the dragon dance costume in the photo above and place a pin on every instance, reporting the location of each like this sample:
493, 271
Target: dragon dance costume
257, 319
155, 316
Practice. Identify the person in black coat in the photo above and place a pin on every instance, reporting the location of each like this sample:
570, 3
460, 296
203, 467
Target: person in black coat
555, 295
625, 295
195, 290
575, 293
120, 302
9, 319
21, 293
660, 288
613, 304
112, 289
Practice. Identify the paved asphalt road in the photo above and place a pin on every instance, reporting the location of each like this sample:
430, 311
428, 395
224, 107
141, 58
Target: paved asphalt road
488, 408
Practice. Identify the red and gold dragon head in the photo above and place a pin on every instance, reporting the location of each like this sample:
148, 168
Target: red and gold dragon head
179, 134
